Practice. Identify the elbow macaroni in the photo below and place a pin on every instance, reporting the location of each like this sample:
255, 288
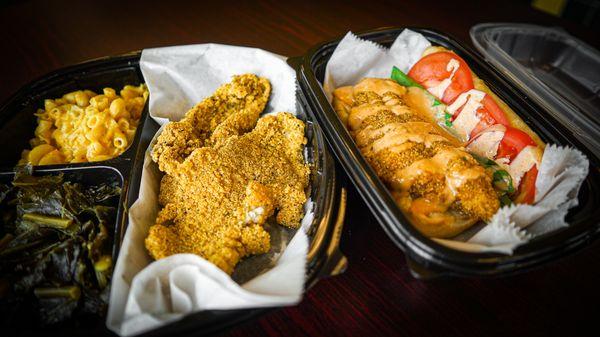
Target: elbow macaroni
83, 126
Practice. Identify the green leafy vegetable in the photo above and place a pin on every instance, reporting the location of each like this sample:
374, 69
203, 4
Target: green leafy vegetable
505, 200
55, 247
403, 79
103, 268
501, 179
483, 161
71, 292
447, 119
47, 220
6, 239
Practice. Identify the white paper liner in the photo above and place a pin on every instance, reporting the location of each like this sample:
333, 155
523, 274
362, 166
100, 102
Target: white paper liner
147, 294
561, 171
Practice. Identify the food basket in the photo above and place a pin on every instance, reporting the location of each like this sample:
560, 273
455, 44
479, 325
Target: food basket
426, 258
17, 124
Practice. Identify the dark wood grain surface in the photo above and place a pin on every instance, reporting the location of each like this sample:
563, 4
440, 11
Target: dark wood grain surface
376, 295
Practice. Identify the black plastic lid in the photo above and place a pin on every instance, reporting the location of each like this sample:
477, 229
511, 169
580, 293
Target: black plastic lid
556, 70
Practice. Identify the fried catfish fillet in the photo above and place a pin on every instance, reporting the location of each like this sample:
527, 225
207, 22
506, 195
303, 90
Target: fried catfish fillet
232, 110
218, 198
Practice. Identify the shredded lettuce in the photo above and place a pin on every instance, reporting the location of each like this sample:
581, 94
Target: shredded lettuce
501, 179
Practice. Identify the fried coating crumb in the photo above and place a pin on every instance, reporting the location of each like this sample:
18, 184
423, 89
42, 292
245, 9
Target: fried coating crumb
388, 161
379, 120
427, 185
232, 110
437, 183
474, 198
218, 198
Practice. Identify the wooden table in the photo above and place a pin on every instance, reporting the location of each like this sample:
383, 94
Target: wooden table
376, 295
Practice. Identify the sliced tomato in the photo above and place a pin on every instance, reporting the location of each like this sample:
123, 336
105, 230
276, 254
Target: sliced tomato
432, 69
489, 114
526, 190
512, 143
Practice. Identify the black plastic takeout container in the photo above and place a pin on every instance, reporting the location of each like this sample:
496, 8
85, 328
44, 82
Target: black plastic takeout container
426, 258
17, 125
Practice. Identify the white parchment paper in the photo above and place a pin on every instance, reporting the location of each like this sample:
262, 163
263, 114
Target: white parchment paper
561, 171
147, 294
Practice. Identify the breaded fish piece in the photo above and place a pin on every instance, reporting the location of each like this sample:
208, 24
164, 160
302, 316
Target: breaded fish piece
439, 185
232, 110
217, 200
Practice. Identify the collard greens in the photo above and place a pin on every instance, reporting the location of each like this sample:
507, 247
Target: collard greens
55, 248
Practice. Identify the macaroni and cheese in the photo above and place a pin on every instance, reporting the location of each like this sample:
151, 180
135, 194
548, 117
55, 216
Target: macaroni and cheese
83, 126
